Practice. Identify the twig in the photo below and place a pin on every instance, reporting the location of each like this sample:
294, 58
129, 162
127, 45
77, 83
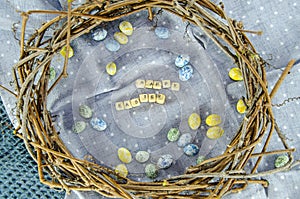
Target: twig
45, 146
282, 77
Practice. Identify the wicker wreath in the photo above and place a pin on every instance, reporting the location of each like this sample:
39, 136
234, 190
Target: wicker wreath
212, 178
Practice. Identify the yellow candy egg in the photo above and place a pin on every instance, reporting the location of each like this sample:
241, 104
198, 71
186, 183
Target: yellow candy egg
241, 107
236, 74
126, 28
165, 183
213, 120
194, 121
121, 38
122, 170
111, 68
63, 52
124, 155
214, 132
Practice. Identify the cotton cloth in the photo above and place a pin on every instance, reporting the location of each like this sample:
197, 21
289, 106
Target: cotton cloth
148, 57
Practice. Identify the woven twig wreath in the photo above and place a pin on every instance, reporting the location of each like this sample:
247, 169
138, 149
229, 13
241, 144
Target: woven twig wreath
212, 178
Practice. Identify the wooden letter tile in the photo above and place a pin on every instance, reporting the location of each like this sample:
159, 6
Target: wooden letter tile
166, 83
149, 84
152, 97
143, 97
135, 102
157, 85
127, 104
160, 98
119, 106
140, 83
175, 86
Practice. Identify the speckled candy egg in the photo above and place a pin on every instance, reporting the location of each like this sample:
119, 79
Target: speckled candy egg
236, 74
94, 11
78, 127
213, 120
52, 74
194, 121
200, 159
112, 45
151, 171
162, 32
111, 68
241, 107
165, 161
124, 155
122, 170
173, 134
126, 28
121, 38
214, 132
281, 161
98, 124
191, 150
184, 139
99, 34
142, 156
63, 52
186, 72
182, 60
85, 111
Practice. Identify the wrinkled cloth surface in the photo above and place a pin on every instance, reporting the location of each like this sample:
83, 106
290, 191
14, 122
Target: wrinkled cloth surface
148, 57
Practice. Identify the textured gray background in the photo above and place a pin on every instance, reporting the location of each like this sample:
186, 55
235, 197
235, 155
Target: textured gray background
277, 19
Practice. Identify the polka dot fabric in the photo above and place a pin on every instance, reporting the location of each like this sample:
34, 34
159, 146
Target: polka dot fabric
288, 121
279, 21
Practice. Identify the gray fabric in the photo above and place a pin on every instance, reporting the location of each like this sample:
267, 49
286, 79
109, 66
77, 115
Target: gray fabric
209, 91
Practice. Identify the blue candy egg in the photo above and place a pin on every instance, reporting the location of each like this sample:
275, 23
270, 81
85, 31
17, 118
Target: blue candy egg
191, 150
162, 32
99, 34
112, 45
182, 60
186, 72
165, 161
93, 12
98, 124
184, 139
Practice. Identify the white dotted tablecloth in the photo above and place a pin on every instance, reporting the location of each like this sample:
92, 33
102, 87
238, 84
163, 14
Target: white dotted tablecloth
279, 20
